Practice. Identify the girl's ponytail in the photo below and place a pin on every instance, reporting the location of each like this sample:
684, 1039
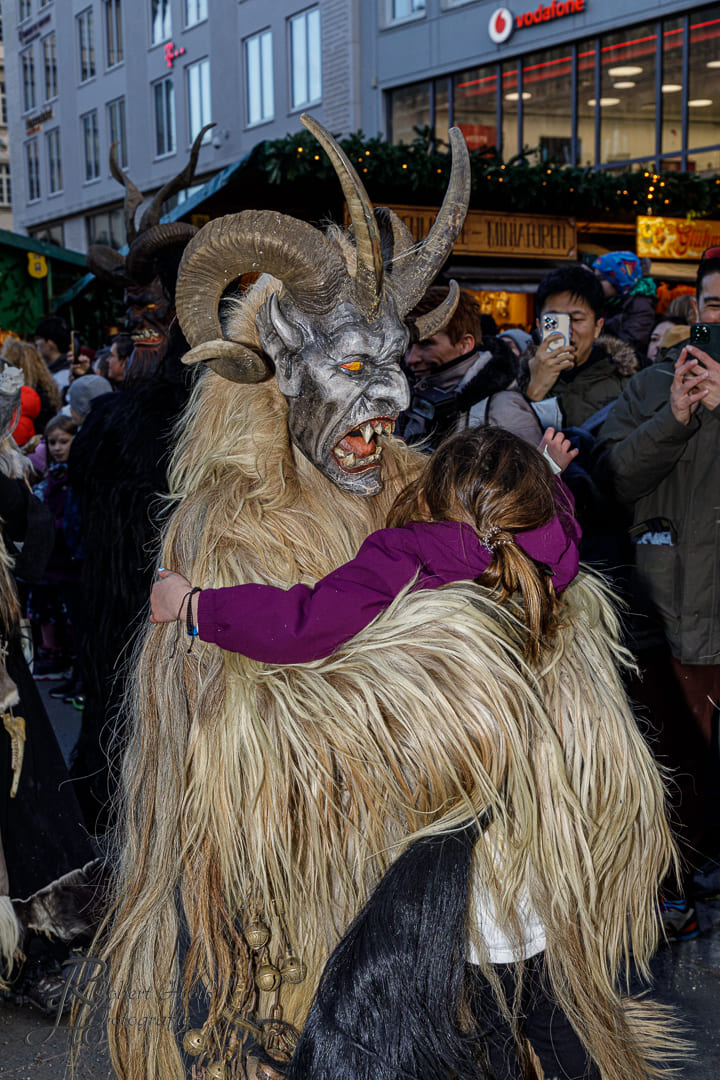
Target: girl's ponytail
512, 571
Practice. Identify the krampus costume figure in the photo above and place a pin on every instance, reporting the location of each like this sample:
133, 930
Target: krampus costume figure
264, 806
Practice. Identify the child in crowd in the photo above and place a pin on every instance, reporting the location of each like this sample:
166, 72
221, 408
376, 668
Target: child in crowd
53, 602
485, 508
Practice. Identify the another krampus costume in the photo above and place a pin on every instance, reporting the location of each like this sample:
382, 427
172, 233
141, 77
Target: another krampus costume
263, 805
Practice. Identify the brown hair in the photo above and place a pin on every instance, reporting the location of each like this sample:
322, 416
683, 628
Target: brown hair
23, 355
498, 484
61, 423
466, 319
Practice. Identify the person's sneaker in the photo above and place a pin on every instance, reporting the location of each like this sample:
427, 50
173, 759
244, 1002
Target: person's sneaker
63, 689
679, 920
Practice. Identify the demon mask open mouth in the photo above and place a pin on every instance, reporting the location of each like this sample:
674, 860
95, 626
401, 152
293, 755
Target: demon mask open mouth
359, 449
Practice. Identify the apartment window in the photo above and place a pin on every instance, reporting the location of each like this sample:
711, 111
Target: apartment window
3, 103
52, 145
44, 3
195, 11
260, 84
32, 164
24, 10
161, 24
91, 145
305, 58
106, 227
5, 190
113, 33
86, 45
28, 69
116, 128
50, 66
398, 10
198, 85
164, 100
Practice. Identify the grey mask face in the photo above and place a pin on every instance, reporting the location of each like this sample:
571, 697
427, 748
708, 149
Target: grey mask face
342, 380
11, 383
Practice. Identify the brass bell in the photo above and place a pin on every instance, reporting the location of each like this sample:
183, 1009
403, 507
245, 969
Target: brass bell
267, 978
194, 1042
293, 970
237, 1000
256, 934
215, 1071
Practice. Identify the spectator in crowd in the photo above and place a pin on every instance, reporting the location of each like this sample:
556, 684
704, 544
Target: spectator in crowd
518, 340
121, 350
52, 341
101, 361
83, 392
630, 298
682, 308
667, 332
452, 371
659, 449
23, 355
588, 373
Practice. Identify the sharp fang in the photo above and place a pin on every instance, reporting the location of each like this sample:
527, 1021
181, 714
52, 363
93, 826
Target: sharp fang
367, 432
378, 427
349, 461
378, 452
339, 453
389, 427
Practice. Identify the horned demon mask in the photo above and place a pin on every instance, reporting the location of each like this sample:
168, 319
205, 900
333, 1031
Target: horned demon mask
334, 333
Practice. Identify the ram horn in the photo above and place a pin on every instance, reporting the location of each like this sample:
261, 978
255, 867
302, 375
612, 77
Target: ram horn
369, 272
231, 360
254, 241
152, 244
178, 183
107, 264
411, 281
133, 195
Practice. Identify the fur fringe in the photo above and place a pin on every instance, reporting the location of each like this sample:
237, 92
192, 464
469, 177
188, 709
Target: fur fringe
10, 937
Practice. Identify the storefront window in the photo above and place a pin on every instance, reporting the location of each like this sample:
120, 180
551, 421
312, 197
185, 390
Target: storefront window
511, 143
547, 103
672, 84
704, 89
586, 56
409, 108
475, 106
442, 112
627, 94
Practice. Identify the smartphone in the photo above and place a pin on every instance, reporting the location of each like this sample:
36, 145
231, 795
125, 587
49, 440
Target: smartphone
556, 322
707, 337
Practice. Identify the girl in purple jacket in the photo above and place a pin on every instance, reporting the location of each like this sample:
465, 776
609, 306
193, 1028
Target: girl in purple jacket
483, 509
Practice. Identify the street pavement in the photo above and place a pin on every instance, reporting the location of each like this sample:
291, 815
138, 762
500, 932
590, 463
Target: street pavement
686, 976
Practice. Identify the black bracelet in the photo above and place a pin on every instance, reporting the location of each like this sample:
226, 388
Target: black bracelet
191, 627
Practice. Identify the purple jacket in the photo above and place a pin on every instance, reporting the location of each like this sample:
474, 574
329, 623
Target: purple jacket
292, 626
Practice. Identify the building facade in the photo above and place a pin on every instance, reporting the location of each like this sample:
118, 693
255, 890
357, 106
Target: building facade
5, 185
578, 81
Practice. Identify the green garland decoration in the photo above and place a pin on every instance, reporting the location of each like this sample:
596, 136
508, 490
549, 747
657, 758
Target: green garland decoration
522, 184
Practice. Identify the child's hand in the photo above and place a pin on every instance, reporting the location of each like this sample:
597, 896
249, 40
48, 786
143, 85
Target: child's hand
558, 448
166, 598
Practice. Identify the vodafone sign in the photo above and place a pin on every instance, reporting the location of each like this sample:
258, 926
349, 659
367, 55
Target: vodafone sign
503, 22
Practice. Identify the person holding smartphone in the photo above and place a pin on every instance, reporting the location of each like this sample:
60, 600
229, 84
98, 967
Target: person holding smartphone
659, 449
572, 363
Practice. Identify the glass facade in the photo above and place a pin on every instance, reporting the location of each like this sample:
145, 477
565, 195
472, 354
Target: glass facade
164, 102
305, 58
116, 129
259, 77
199, 107
50, 65
646, 95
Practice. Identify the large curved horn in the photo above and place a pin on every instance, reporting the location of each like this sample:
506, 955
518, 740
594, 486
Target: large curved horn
395, 237
178, 183
144, 252
231, 360
133, 196
369, 273
432, 322
411, 281
107, 264
253, 241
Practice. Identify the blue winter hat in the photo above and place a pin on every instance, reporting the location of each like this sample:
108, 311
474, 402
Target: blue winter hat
621, 268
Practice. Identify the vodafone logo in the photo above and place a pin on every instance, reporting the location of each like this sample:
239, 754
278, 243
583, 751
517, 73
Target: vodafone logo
501, 25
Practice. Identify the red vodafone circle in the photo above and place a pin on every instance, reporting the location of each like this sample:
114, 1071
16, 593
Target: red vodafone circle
500, 26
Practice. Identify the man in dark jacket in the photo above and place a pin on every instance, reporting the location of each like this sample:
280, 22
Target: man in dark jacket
584, 375
452, 371
660, 448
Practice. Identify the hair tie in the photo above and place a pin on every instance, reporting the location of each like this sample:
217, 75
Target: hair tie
493, 538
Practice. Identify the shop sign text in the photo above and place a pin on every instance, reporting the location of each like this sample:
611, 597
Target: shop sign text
503, 22
527, 236
675, 238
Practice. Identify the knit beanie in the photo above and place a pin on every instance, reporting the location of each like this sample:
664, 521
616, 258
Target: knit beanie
82, 392
521, 338
621, 268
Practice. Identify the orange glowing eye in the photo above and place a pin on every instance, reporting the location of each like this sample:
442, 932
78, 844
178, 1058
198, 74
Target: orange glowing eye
353, 365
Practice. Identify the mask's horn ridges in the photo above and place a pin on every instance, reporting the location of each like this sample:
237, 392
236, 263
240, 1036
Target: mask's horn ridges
369, 273
133, 195
231, 360
412, 280
436, 320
